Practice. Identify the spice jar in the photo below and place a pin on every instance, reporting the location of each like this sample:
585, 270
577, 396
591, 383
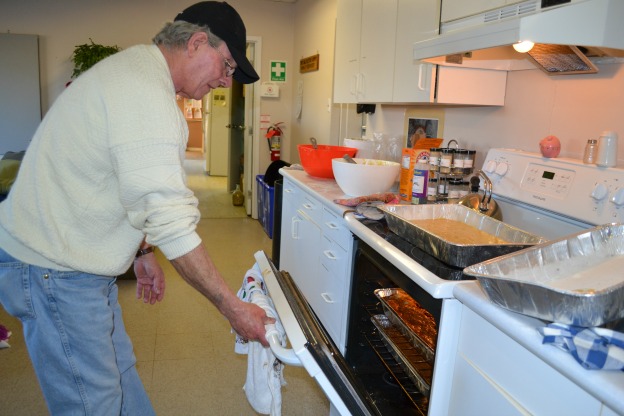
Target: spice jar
434, 159
442, 193
459, 158
446, 160
454, 188
469, 162
589, 157
432, 189
464, 190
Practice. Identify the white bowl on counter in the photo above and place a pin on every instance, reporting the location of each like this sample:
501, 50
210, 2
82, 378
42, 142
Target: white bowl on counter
366, 176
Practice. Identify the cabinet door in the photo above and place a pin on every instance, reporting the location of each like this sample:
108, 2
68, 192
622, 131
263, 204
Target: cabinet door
347, 50
470, 86
291, 197
306, 242
416, 20
377, 49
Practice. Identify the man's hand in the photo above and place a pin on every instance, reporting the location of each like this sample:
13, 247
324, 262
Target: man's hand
150, 279
248, 320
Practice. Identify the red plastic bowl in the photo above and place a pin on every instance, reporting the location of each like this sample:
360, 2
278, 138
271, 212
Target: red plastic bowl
318, 162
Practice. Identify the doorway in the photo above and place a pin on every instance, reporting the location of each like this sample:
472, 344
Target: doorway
230, 126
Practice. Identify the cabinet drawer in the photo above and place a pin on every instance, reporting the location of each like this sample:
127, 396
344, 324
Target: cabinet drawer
291, 193
312, 208
334, 227
537, 387
334, 258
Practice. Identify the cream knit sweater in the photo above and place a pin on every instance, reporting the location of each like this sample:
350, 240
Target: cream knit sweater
103, 171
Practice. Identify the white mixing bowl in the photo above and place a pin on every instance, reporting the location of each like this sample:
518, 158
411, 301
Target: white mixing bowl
367, 176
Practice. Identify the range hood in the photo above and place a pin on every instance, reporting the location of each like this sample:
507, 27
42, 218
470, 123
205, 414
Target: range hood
569, 37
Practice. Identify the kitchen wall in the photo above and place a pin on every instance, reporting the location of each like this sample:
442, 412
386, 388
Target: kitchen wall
574, 108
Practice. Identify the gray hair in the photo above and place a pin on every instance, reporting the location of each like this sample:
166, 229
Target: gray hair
175, 35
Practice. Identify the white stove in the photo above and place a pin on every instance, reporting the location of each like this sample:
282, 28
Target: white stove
554, 197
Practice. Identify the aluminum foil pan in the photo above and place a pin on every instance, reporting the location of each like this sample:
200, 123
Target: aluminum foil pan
575, 280
393, 316
460, 255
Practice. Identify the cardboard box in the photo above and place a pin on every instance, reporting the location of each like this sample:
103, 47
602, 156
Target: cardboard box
409, 157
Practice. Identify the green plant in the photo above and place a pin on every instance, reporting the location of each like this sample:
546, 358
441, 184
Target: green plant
87, 55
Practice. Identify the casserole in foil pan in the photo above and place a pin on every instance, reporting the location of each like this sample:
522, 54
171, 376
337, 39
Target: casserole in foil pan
403, 220
574, 280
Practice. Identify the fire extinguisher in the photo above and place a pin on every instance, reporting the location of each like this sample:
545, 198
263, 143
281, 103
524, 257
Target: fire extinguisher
274, 138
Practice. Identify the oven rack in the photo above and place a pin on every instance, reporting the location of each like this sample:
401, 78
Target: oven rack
386, 350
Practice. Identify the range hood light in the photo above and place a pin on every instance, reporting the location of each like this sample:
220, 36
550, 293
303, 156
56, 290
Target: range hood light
523, 46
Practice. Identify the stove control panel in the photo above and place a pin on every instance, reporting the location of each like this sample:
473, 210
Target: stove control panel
564, 186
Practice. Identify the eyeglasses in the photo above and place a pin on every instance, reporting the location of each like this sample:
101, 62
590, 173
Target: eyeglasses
229, 69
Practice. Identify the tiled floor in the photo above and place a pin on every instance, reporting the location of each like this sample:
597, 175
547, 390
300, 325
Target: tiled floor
183, 345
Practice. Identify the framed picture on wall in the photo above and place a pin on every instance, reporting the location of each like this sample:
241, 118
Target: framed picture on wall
423, 123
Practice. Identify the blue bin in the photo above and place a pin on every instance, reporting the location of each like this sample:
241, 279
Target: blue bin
265, 197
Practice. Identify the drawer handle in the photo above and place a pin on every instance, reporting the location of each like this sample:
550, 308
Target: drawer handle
288, 190
308, 206
327, 298
294, 229
331, 225
330, 255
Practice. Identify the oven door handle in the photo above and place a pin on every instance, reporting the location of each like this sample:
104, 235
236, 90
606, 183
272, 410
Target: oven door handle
287, 356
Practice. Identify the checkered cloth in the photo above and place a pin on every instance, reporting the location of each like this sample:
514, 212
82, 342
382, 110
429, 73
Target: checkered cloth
593, 348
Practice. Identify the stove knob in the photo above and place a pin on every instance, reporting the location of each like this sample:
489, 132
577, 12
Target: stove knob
600, 192
618, 197
490, 166
502, 168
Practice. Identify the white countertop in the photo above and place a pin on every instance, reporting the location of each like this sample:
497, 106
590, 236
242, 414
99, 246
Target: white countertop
327, 190
607, 386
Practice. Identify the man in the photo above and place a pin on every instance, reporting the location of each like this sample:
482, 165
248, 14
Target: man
101, 184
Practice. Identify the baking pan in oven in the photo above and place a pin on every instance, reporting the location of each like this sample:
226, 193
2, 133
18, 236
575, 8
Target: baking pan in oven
400, 217
419, 371
574, 280
419, 327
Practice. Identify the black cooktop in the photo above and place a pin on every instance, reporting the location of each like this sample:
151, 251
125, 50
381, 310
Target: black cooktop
439, 268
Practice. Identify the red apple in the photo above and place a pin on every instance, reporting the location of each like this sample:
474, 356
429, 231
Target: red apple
550, 146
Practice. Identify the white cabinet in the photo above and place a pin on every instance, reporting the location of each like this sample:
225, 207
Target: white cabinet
492, 374
456, 9
317, 251
374, 58
364, 52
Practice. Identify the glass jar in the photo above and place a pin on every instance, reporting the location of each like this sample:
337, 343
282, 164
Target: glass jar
432, 189
446, 160
469, 162
454, 187
589, 157
442, 193
434, 159
464, 190
459, 158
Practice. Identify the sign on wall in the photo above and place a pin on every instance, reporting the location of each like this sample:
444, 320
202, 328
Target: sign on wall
278, 71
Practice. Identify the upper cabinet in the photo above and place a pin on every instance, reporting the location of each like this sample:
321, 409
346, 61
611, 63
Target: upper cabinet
457, 9
364, 54
374, 58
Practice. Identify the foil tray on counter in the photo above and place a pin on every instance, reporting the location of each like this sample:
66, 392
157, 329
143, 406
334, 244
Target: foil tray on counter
398, 218
575, 280
417, 368
393, 316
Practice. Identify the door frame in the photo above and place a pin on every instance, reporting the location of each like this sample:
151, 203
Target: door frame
252, 130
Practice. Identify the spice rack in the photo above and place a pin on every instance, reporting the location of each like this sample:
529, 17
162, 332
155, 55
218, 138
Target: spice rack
449, 170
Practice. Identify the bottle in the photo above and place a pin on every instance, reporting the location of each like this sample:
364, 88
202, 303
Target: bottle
607, 149
589, 157
238, 198
420, 180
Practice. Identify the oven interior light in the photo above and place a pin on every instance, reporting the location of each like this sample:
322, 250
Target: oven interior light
523, 46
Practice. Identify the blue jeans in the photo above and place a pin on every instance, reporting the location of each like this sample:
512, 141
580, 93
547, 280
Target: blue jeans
76, 339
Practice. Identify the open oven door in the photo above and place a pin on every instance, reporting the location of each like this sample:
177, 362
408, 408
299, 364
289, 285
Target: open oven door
311, 346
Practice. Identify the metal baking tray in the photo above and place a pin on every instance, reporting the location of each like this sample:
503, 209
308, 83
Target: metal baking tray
574, 280
425, 349
459, 255
419, 371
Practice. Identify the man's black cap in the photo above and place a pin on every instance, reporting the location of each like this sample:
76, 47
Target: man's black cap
226, 23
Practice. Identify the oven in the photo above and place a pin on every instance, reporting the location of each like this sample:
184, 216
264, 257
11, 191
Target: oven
548, 197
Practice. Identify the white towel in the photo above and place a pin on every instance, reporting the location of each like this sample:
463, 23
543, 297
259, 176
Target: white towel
265, 376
